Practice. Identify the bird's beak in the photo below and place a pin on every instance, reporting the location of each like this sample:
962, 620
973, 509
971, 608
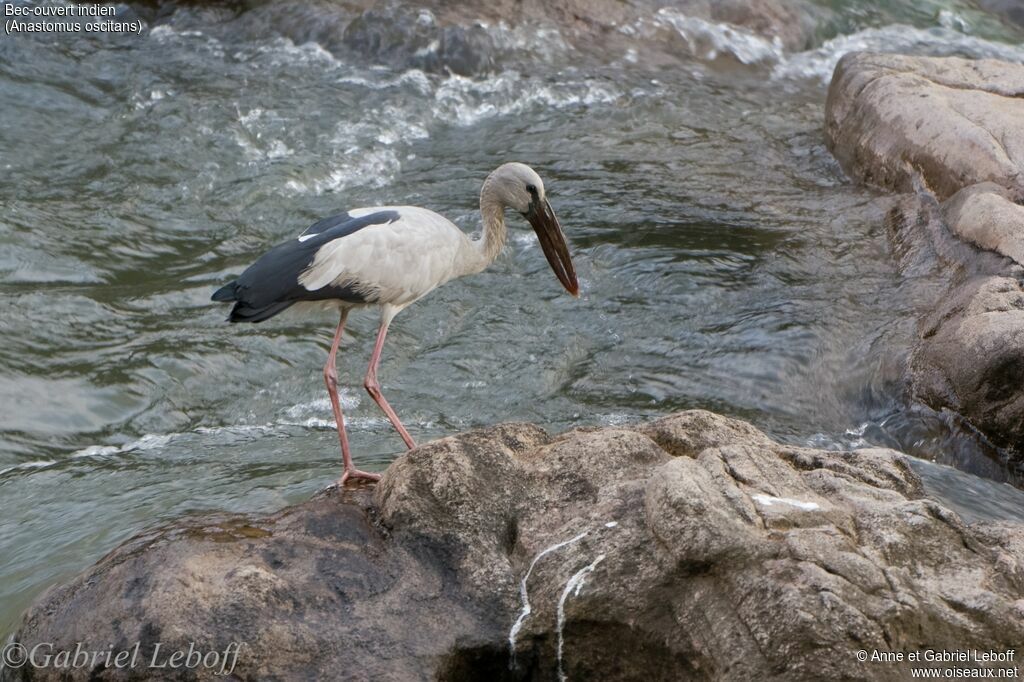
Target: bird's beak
552, 240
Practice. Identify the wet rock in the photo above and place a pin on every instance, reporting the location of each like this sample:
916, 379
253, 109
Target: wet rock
1011, 9
990, 217
791, 22
410, 37
971, 358
955, 122
949, 130
693, 547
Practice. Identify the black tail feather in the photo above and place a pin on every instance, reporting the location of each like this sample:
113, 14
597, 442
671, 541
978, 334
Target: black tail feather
245, 313
228, 292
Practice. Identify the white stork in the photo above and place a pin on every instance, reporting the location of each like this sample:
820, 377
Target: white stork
391, 256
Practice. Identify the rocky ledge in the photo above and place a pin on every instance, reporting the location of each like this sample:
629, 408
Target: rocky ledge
952, 131
690, 548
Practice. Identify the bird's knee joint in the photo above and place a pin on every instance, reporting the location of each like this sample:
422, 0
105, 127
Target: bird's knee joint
372, 387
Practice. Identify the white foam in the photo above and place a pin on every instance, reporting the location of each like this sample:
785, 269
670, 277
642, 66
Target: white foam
467, 101
348, 399
769, 500
297, 416
413, 77
165, 31
28, 465
614, 419
285, 51
367, 168
851, 439
524, 240
708, 40
541, 42
953, 21
575, 584
97, 451
166, 34
149, 441
937, 41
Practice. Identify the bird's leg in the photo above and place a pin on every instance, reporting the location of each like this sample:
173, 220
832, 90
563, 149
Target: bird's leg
373, 386
331, 379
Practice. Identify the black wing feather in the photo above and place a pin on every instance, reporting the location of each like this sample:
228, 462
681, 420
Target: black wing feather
271, 284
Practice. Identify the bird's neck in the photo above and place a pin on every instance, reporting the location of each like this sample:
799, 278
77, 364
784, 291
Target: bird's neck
493, 239
477, 254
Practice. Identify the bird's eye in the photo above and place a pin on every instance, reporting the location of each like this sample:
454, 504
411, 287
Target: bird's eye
532, 189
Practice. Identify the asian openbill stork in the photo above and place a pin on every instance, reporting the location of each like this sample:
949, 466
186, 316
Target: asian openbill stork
391, 256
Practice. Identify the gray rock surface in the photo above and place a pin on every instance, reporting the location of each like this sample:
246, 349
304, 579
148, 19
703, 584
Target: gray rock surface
953, 129
971, 357
691, 548
990, 217
956, 122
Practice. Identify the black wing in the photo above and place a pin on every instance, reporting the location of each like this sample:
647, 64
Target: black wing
271, 284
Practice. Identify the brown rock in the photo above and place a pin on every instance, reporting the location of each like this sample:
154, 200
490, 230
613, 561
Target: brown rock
953, 128
955, 122
694, 548
971, 358
792, 22
990, 217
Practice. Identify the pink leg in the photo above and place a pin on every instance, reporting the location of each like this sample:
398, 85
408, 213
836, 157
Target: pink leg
331, 378
373, 387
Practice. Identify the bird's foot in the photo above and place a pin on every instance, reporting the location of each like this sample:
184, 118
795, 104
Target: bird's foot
354, 474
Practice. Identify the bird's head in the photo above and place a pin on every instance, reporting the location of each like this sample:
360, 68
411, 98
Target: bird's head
517, 186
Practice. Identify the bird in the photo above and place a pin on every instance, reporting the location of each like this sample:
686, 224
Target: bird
390, 257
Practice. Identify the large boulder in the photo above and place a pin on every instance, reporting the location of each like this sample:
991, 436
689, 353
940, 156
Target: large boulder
951, 130
954, 122
691, 548
971, 358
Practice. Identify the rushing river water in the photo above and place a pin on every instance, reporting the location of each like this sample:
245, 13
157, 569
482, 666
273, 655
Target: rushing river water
725, 261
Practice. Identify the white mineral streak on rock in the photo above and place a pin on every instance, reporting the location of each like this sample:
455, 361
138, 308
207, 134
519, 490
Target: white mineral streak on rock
524, 614
768, 500
574, 586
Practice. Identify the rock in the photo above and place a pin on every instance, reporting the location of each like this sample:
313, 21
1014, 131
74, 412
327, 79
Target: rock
951, 130
692, 548
990, 217
411, 37
1010, 9
956, 122
971, 358
792, 22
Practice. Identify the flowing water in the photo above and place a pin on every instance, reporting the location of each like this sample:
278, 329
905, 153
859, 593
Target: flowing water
725, 261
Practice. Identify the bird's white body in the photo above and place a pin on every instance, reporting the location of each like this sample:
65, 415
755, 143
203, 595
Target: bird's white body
390, 256
398, 262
